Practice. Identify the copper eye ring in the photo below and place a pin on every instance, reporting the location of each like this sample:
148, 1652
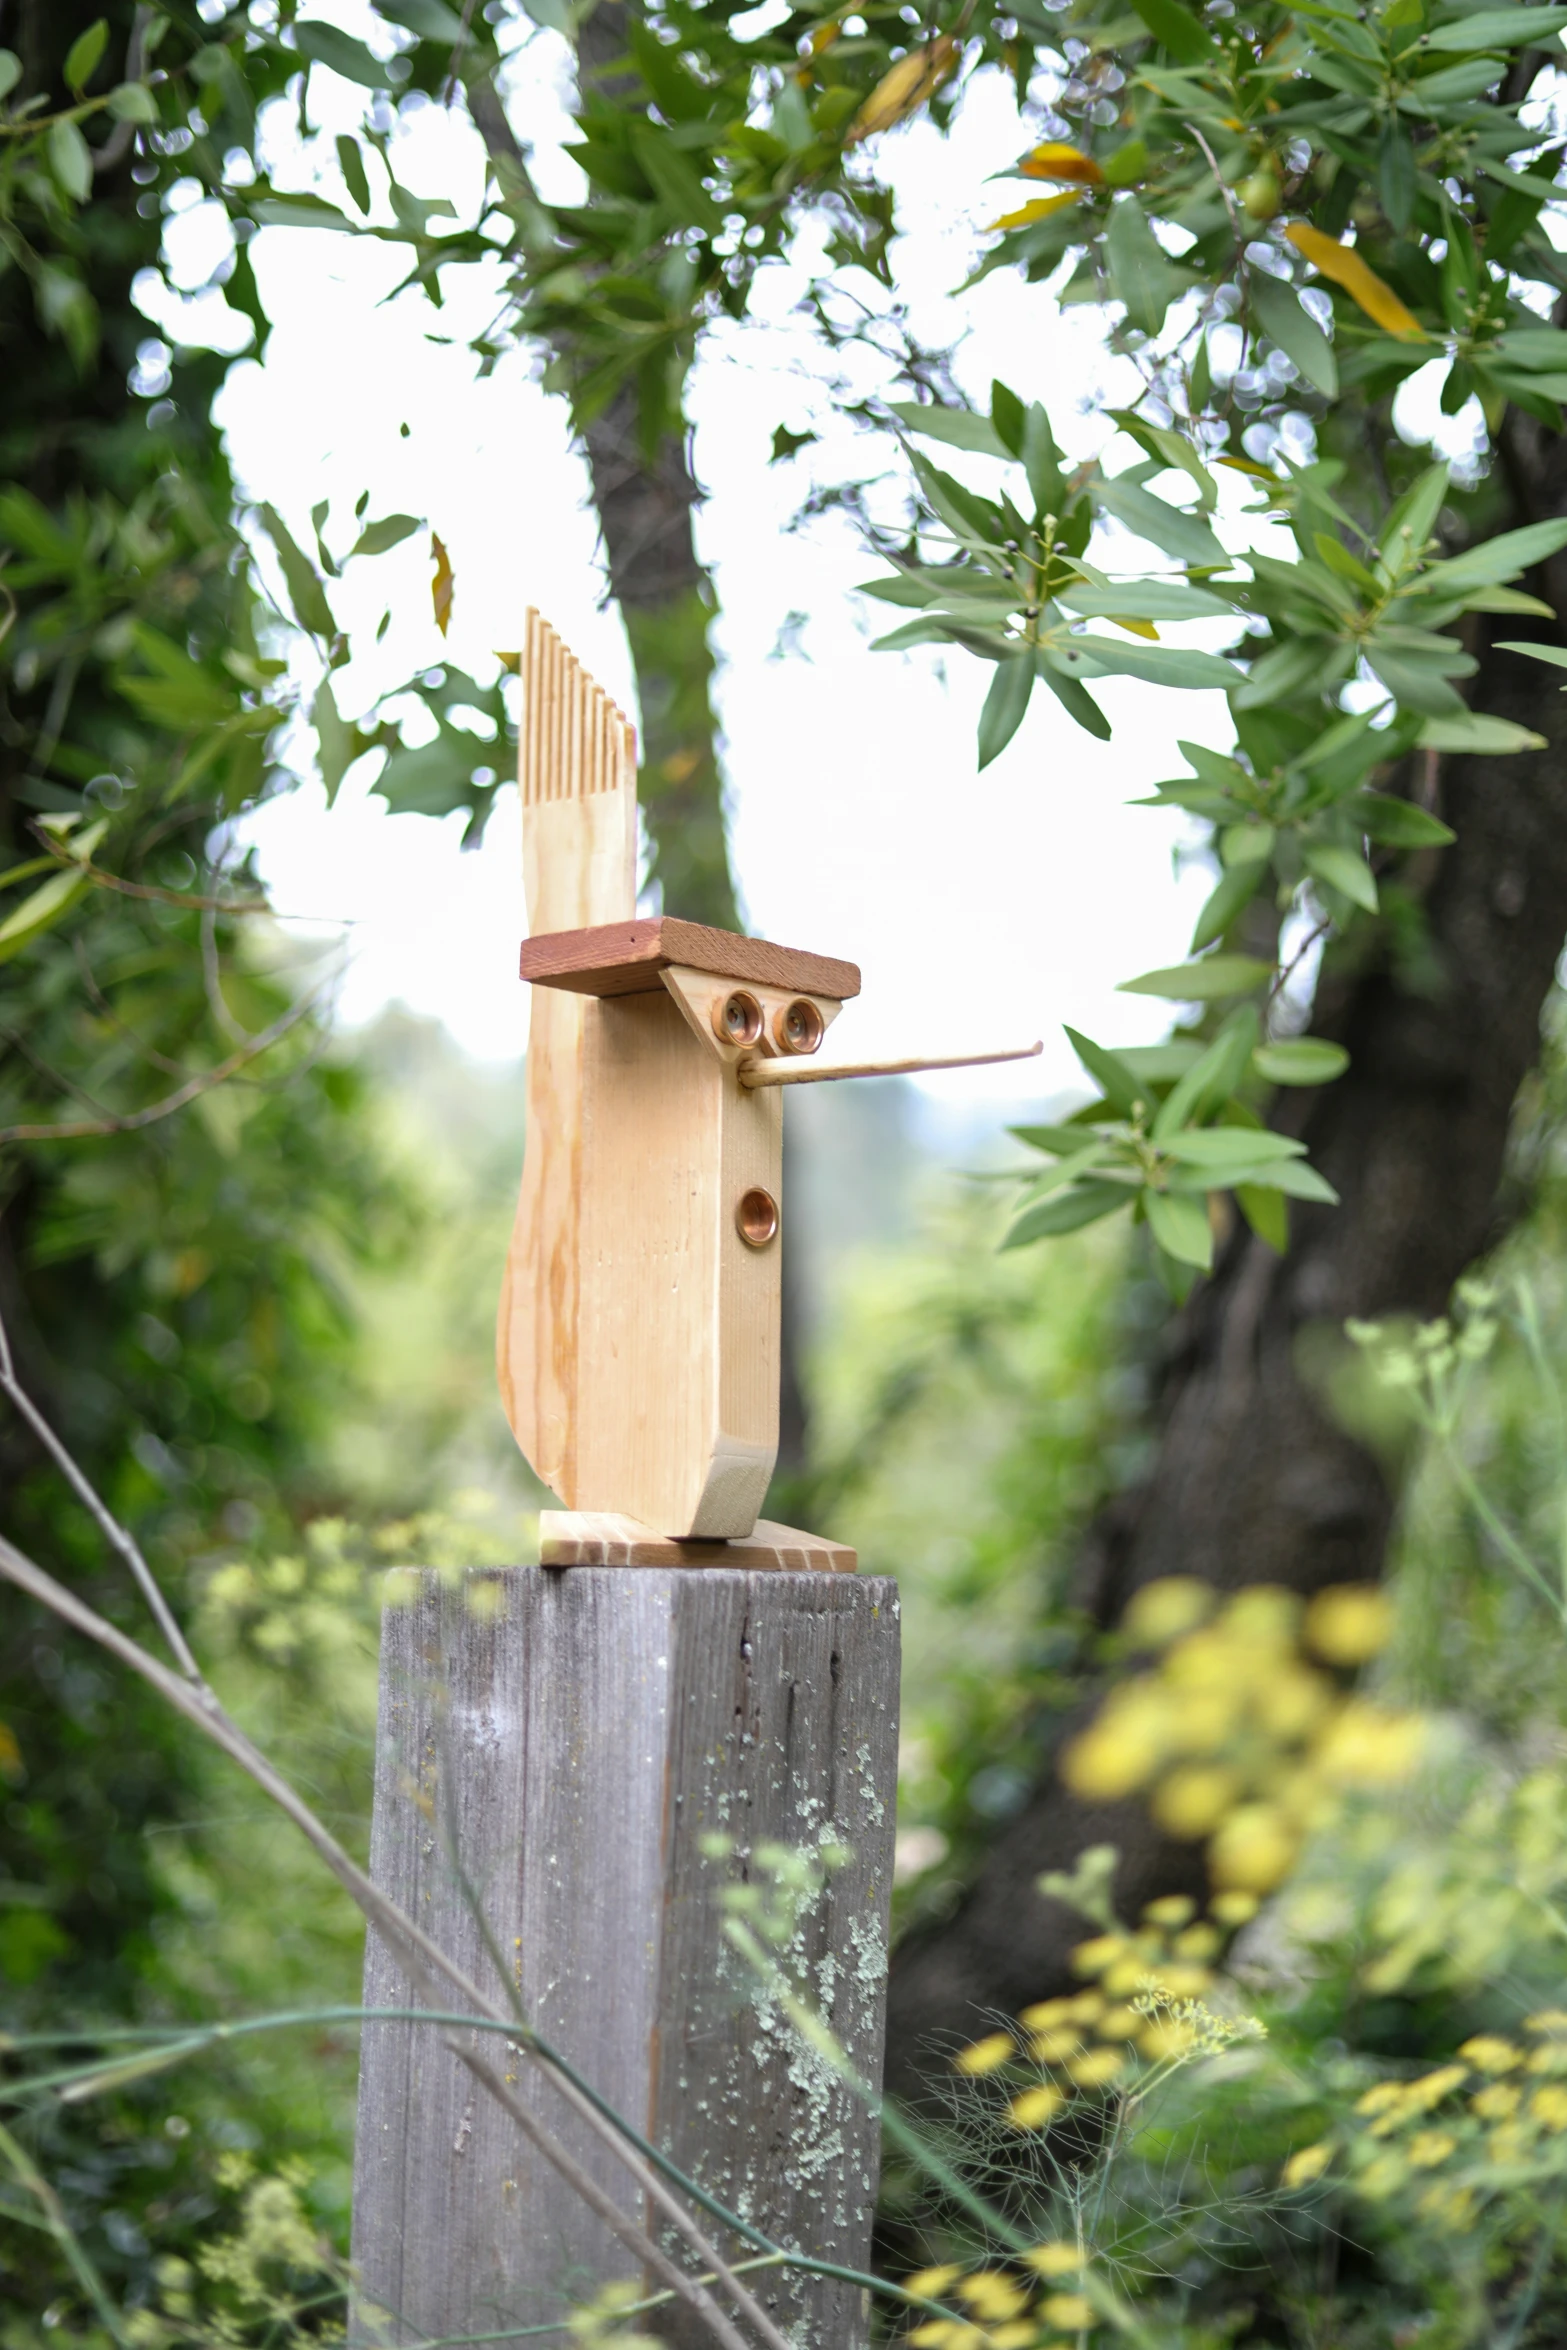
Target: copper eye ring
738, 1019
756, 1217
799, 1027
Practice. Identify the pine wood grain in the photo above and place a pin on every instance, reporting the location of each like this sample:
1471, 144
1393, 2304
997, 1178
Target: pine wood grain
575, 1739
604, 1538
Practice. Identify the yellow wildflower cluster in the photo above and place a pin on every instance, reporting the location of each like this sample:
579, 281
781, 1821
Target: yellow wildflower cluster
1147, 2010
1240, 1735
1005, 2311
1454, 2135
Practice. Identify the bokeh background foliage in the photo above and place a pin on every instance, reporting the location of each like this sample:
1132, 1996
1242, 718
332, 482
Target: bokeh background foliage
1271, 2051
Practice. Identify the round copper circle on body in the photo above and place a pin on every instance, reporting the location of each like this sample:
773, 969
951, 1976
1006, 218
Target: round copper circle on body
738, 1018
756, 1217
799, 1027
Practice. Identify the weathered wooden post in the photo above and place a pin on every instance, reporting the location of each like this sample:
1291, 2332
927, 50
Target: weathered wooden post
575, 1757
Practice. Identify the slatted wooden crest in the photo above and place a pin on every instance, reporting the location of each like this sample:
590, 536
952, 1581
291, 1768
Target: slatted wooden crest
639, 1328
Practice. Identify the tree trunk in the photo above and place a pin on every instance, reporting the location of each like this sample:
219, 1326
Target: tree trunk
1253, 1482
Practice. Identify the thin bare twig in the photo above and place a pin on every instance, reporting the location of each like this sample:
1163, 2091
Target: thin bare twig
102, 1005
421, 1958
206, 1082
212, 980
119, 1538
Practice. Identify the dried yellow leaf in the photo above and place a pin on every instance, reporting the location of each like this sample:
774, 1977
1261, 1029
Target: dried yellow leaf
1038, 208
1344, 266
905, 87
442, 584
1055, 161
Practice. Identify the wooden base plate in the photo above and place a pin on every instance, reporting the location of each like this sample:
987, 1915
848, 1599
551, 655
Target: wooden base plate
599, 1538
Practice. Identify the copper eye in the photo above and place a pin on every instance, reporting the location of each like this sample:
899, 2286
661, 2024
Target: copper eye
756, 1217
799, 1027
738, 1019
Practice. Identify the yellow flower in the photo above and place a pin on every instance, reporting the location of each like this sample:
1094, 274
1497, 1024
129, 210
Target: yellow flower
1431, 2088
1370, 1746
1164, 2038
1489, 2053
987, 2055
1098, 2068
1551, 2058
1055, 2259
1549, 2019
1125, 1976
1550, 2107
1119, 1753
1045, 2014
1450, 2207
1170, 1912
1162, 1611
1072, 2312
1031, 2109
1200, 1942
1255, 1848
1192, 1801
990, 2292
1497, 2102
1349, 1623
1263, 1615
1291, 1700
1429, 2147
1086, 2008
945, 2333
1234, 1908
1055, 2047
1308, 2164
1120, 2023
1380, 2097
1383, 2177
1013, 2337
1091, 1958
1509, 2144
931, 2283
1184, 1982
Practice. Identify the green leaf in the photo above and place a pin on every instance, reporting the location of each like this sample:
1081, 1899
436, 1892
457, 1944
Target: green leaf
390, 531
1266, 1213
1141, 273
1285, 320
305, 592
1184, 536
1228, 901
1110, 1073
43, 907
1299, 1181
1342, 869
1207, 981
1397, 822
1412, 518
1175, 28
1499, 28
432, 20
1300, 1060
133, 102
70, 159
1062, 1142
1169, 665
1212, 1077
1005, 705
1142, 599
10, 71
1472, 732
351, 163
1179, 1223
1084, 1204
1554, 655
81, 59
1218, 1150
674, 178
1078, 703
1497, 560
324, 44
960, 427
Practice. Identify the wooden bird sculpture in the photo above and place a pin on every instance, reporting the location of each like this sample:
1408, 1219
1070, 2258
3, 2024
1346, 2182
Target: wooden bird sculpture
639, 1328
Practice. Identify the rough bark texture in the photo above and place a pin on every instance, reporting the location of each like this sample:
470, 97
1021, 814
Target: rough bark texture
645, 501
1253, 1482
